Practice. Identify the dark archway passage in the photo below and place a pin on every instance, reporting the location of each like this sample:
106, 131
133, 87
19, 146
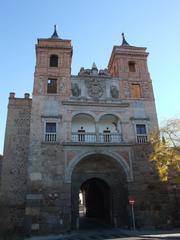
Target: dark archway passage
102, 183
95, 203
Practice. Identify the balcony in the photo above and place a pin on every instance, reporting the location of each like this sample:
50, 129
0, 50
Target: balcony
142, 138
89, 137
50, 137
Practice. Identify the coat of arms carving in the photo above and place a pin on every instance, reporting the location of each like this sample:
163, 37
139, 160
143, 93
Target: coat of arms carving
95, 88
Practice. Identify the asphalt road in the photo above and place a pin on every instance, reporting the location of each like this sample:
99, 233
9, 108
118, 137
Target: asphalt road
112, 234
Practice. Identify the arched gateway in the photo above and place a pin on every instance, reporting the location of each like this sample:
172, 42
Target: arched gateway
84, 133
98, 192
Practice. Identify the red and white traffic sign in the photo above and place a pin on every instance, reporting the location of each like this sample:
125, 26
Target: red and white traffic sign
131, 200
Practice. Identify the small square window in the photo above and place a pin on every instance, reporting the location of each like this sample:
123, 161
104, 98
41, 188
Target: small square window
141, 129
52, 86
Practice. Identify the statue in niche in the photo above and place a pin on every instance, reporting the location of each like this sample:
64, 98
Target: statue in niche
114, 92
76, 91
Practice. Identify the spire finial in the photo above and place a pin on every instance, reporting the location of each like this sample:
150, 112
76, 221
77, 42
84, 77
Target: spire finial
55, 35
124, 42
94, 66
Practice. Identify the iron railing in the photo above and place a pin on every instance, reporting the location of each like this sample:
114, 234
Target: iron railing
142, 138
88, 137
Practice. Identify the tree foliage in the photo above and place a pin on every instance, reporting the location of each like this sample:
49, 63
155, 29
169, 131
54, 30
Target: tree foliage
166, 149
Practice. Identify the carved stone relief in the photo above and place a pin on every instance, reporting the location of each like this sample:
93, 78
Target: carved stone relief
96, 88
76, 91
40, 85
114, 92
62, 85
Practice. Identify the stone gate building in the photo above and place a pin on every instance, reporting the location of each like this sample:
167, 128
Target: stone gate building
79, 147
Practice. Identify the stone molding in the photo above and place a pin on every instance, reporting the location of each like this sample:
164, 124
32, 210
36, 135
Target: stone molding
100, 104
117, 157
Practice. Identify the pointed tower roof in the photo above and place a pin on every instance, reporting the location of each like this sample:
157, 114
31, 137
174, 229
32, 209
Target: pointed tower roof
94, 66
124, 42
55, 35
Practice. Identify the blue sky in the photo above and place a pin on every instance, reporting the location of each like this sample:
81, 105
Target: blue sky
94, 27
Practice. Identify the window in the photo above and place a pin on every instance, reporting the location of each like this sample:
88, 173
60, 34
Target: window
52, 86
141, 133
132, 67
53, 61
50, 127
50, 132
135, 91
141, 129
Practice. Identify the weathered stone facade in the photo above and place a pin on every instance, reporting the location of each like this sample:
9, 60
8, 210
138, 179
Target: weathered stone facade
82, 132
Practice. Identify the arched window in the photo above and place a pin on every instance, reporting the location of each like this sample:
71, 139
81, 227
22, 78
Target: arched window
53, 61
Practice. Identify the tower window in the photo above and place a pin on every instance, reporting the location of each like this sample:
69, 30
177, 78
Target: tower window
53, 61
52, 86
135, 90
131, 66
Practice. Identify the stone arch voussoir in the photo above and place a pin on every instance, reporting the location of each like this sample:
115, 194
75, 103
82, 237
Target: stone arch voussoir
117, 157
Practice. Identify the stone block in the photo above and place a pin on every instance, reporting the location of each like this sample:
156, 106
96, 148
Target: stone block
35, 176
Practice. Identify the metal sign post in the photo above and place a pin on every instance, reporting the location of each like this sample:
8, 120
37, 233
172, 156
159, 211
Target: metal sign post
133, 220
132, 202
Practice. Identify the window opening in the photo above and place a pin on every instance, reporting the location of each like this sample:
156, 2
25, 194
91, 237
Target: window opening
141, 129
50, 134
52, 86
141, 133
53, 61
132, 66
51, 127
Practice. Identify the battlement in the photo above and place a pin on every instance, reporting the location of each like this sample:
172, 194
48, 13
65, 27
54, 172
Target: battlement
13, 100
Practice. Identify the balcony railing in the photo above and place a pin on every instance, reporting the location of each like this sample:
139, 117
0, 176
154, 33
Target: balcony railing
89, 137
142, 139
50, 137
96, 138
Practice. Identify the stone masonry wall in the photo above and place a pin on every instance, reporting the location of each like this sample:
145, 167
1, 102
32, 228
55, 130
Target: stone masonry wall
14, 169
151, 195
